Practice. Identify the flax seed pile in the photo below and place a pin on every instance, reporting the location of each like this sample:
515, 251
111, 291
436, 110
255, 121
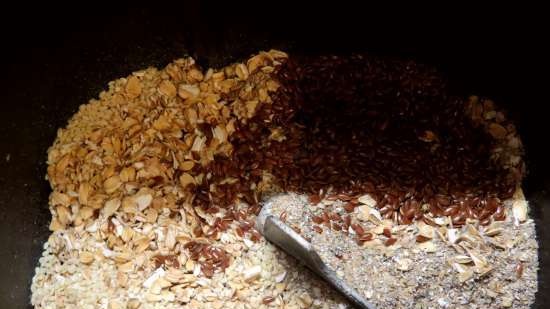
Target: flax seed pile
157, 183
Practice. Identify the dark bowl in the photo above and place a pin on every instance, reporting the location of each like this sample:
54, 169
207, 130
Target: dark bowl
58, 58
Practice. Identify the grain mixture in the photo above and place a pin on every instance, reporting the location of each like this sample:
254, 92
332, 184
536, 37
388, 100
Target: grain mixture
421, 265
156, 185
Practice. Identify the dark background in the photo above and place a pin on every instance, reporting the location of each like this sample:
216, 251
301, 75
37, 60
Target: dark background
56, 58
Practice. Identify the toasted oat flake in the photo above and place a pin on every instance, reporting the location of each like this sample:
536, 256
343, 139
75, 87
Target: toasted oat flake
133, 87
167, 88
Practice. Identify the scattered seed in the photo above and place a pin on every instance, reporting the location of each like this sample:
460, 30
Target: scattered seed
318, 229
519, 270
283, 216
314, 199
358, 229
387, 232
268, 299
317, 219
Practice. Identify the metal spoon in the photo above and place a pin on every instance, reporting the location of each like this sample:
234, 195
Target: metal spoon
294, 244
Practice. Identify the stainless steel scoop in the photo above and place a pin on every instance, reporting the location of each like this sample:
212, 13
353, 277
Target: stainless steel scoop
294, 244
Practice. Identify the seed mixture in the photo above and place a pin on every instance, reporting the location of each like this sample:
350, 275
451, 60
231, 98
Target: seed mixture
156, 185
432, 266
389, 128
